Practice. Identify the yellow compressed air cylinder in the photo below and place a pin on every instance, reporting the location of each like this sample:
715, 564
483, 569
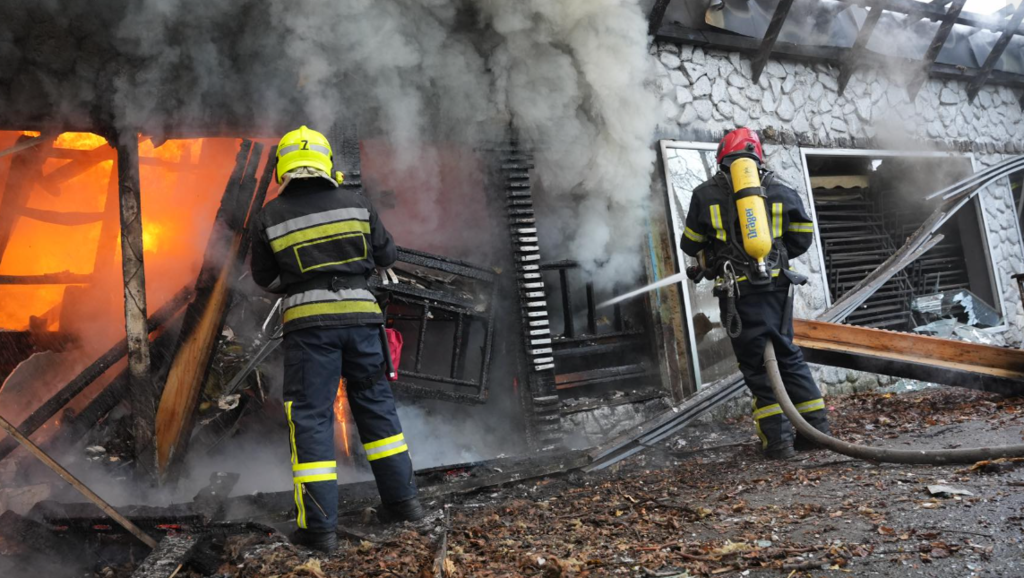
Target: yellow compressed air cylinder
746, 183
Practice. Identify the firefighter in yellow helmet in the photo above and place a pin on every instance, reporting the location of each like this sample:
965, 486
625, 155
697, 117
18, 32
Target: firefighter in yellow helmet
317, 243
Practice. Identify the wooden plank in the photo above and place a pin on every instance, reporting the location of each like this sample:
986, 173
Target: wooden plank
205, 316
923, 348
143, 395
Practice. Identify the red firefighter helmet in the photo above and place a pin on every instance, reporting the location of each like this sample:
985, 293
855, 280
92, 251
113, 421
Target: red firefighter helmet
740, 142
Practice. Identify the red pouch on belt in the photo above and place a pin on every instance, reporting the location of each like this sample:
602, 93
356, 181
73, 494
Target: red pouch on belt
395, 347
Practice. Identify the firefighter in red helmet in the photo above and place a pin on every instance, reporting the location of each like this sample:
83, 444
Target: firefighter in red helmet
744, 226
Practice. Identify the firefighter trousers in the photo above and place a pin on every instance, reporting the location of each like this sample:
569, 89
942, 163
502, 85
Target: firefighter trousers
768, 315
316, 359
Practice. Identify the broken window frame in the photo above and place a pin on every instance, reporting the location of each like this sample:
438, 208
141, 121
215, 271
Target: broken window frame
982, 209
693, 361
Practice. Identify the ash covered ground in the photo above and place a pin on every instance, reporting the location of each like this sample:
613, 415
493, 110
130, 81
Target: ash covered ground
705, 504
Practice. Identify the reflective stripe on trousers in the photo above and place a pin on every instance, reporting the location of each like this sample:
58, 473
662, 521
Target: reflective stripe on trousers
386, 447
775, 409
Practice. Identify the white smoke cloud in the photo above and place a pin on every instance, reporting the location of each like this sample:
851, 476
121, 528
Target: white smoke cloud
569, 74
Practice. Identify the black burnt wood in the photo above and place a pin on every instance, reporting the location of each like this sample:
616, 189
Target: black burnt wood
49, 409
941, 35
822, 54
168, 558
656, 16
144, 392
997, 52
770, 37
849, 64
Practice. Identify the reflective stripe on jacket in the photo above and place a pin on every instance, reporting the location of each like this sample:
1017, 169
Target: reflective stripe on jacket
315, 231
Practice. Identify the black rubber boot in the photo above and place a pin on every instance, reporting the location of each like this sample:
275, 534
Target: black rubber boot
776, 437
819, 420
405, 511
780, 453
326, 542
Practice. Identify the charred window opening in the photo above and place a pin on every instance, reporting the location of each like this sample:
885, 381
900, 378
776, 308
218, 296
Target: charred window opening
867, 206
597, 351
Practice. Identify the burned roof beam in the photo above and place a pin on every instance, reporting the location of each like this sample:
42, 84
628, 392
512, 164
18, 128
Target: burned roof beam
770, 37
996, 53
941, 35
657, 16
913, 7
822, 54
852, 59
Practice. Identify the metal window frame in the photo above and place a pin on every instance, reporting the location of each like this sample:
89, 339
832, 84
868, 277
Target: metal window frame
980, 199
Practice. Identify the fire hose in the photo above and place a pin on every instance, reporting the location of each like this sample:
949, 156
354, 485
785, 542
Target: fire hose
928, 457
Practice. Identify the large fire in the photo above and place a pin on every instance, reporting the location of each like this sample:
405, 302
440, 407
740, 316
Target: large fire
66, 219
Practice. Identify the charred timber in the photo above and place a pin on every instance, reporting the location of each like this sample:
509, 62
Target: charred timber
25, 169
204, 318
88, 375
143, 395
62, 278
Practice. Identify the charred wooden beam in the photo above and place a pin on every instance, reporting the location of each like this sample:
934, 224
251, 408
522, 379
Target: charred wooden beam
106, 248
143, 395
205, 316
657, 16
24, 170
770, 37
25, 143
62, 278
852, 60
49, 409
941, 35
823, 54
36, 537
997, 52
75, 426
169, 556
937, 13
66, 218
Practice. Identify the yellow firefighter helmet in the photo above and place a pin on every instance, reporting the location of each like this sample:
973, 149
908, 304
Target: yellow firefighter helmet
304, 147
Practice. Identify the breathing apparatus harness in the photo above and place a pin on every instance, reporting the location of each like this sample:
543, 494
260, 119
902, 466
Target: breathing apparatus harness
748, 253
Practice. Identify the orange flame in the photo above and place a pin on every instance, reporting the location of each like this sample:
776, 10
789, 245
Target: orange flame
340, 418
182, 182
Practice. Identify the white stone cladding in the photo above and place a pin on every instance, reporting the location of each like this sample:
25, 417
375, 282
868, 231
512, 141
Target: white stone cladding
708, 92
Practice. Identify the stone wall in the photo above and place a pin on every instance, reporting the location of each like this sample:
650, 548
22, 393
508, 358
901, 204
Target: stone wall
708, 92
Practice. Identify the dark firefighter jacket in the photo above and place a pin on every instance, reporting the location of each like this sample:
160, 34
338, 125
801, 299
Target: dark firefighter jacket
712, 204
318, 243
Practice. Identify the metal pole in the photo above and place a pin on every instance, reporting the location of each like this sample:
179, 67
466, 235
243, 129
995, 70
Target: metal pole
82, 488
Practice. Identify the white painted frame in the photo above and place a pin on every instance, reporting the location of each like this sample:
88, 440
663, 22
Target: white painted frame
691, 339
982, 209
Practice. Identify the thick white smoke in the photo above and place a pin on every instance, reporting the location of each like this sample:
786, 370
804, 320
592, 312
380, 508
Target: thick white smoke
570, 75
